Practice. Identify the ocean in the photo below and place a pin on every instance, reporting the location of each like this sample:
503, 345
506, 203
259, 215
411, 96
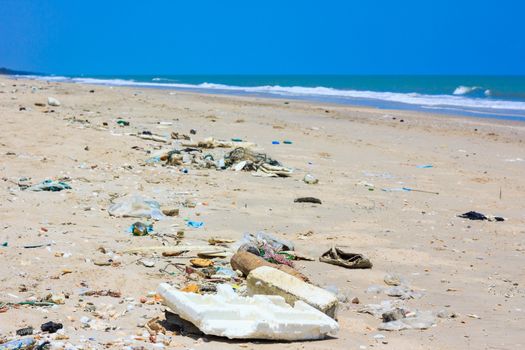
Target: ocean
501, 97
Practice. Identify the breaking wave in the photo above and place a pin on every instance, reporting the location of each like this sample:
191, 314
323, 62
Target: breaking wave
460, 98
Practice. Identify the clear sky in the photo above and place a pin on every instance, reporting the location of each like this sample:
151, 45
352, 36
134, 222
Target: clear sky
263, 36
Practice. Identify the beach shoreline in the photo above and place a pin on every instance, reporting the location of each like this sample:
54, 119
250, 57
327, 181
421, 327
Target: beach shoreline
465, 270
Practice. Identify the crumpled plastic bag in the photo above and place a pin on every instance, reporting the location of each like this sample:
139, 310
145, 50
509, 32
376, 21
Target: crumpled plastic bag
261, 239
49, 185
136, 206
417, 320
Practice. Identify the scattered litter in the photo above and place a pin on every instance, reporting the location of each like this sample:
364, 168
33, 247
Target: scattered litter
137, 207
407, 189
195, 224
310, 179
246, 262
140, 229
424, 166
18, 344
228, 315
308, 200
48, 185
270, 281
51, 327
413, 320
336, 256
24, 331
122, 122
474, 215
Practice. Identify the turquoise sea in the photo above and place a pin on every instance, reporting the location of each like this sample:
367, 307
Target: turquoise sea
501, 97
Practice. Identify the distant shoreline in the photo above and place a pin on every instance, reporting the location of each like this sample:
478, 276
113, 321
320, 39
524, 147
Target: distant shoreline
454, 105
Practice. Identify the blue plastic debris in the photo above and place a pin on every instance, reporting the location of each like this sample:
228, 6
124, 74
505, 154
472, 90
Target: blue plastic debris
18, 344
424, 166
287, 142
195, 224
50, 185
275, 142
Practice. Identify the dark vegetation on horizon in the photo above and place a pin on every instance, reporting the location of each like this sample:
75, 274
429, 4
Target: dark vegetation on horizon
7, 71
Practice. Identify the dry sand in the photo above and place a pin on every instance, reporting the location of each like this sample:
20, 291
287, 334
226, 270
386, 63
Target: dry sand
463, 267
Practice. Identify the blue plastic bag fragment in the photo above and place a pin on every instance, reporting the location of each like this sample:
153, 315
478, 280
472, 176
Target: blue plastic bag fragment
195, 224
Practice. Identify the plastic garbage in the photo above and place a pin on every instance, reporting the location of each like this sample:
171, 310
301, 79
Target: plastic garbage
51, 327
18, 344
136, 206
195, 224
261, 238
275, 142
122, 122
287, 142
50, 185
224, 271
228, 315
474, 215
415, 320
310, 179
140, 229
424, 166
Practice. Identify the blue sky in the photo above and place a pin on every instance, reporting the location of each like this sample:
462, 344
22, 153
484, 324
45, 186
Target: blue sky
263, 37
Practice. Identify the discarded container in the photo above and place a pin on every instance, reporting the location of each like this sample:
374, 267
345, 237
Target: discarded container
270, 281
275, 142
260, 317
287, 142
18, 344
140, 229
137, 207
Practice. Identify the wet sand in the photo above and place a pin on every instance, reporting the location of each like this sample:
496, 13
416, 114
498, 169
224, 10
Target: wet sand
471, 269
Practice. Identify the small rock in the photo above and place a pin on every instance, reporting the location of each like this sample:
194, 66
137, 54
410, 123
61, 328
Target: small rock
355, 300
170, 212
392, 279
148, 263
53, 102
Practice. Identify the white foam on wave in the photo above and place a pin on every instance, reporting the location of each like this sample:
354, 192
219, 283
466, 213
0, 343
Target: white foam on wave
319, 92
464, 90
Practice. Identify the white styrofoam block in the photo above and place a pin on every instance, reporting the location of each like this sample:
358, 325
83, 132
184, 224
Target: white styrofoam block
228, 315
270, 281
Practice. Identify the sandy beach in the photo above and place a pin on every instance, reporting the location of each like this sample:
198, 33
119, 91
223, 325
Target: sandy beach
470, 272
